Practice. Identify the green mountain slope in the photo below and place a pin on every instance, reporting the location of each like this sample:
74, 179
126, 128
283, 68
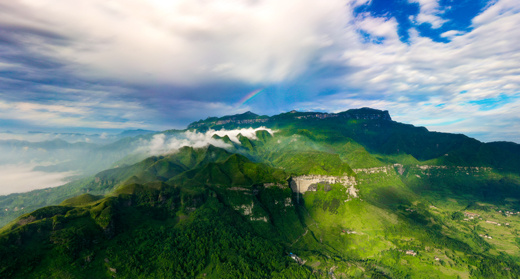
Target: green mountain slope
347, 195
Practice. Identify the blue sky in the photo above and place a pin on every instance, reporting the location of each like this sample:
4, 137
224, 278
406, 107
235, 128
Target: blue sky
106, 66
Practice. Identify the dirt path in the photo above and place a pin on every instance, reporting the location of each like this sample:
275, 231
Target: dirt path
306, 231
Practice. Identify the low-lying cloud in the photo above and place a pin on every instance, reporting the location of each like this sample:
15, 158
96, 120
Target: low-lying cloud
101, 138
167, 144
22, 178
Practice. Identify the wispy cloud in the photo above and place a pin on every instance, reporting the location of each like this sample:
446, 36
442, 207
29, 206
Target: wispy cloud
473, 69
180, 42
36, 136
157, 64
430, 12
76, 114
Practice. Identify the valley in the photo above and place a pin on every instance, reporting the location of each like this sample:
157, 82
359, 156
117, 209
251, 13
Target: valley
308, 195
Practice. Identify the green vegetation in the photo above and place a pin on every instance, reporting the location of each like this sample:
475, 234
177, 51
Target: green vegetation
382, 200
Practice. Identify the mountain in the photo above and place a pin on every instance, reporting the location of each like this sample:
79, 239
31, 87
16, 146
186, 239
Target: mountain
308, 195
244, 118
133, 133
79, 161
249, 118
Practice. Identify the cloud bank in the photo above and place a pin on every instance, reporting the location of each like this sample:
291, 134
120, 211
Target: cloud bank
451, 66
22, 178
162, 144
177, 42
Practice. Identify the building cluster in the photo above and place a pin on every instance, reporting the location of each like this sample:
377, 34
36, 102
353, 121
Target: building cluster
297, 259
471, 215
411, 253
493, 222
508, 213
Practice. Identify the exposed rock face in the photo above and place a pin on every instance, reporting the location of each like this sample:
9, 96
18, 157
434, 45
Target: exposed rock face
247, 210
428, 170
457, 168
263, 219
304, 183
352, 191
251, 118
373, 170
317, 115
279, 185
367, 114
227, 121
363, 113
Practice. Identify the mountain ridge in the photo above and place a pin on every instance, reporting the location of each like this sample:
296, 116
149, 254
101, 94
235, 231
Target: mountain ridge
251, 118
322, 197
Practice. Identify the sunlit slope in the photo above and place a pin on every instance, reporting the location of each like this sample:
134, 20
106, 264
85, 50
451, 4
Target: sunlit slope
242, 223
347, 206
227, 206
362, 138
379, 134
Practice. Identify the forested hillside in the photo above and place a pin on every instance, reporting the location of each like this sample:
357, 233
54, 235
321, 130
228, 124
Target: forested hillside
307, 195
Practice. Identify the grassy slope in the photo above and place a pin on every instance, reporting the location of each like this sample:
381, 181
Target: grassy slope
403, 208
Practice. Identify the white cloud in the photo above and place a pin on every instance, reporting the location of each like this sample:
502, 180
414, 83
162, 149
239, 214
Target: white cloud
193, 42
69, 137
497, 9
438, 115
430, 12
167, 144
407, 78
183, 42
379, 27
451, 34
75, 114
21, 178
233, 134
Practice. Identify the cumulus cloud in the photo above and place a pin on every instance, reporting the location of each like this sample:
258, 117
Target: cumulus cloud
457, 117
179, 42
482, 62
430, 12
22, 178
423, 79
167, 144
159, 61
378, 27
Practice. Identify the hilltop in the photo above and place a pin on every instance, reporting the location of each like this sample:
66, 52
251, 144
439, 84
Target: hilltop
307, 195
252, 118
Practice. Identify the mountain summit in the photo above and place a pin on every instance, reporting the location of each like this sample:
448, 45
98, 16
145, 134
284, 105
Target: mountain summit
252, 118
307, 195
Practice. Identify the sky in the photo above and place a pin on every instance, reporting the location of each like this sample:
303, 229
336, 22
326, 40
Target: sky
103, 66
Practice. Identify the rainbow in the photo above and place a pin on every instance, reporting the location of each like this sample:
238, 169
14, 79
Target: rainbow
248, 97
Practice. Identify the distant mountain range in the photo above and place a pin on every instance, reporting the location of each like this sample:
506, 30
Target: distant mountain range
248, 118
295, 195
